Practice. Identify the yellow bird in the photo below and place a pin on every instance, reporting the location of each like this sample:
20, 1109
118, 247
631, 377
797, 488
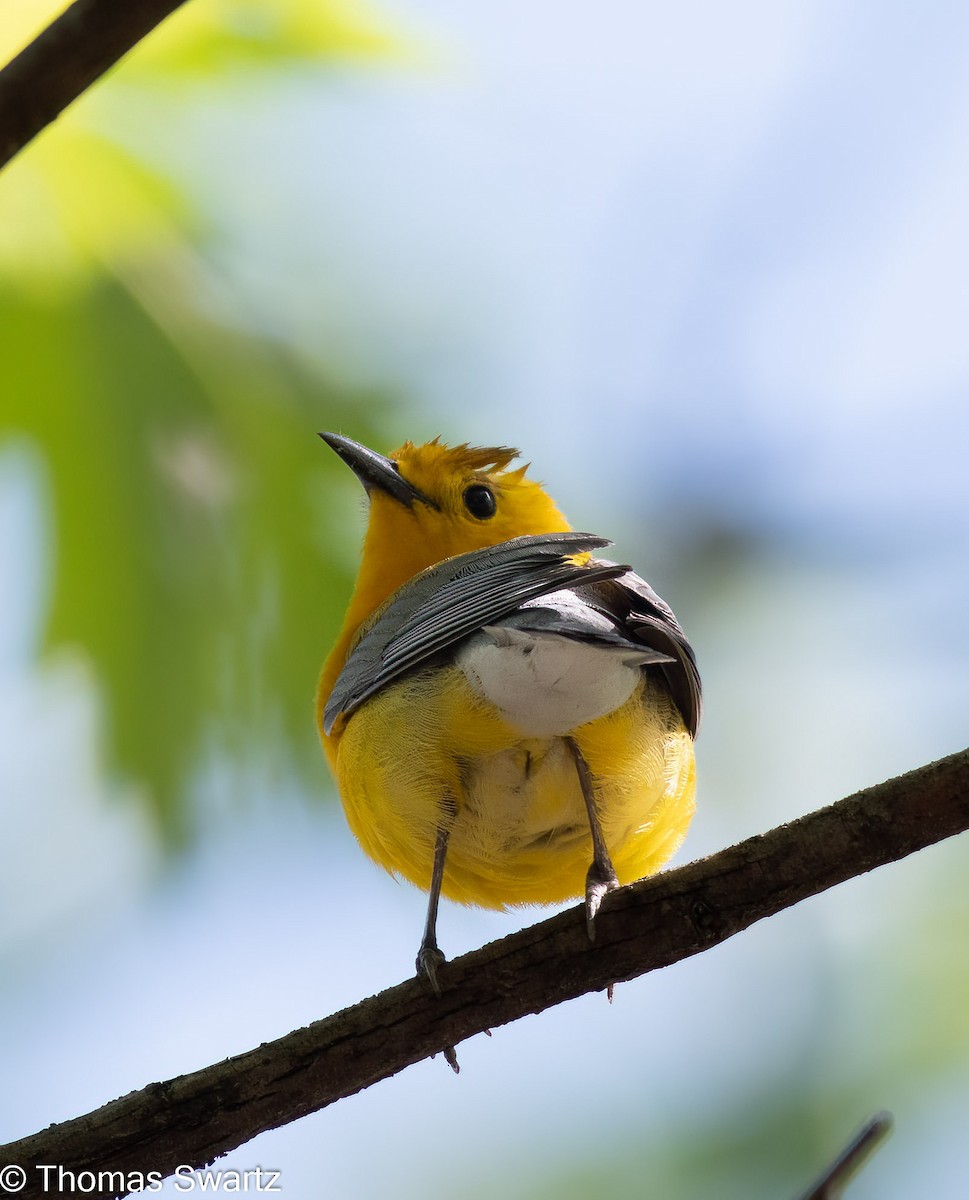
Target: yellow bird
501, 708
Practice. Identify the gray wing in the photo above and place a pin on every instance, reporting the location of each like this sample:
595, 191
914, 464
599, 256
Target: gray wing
649, 620
578, 613
455, 598
623, 612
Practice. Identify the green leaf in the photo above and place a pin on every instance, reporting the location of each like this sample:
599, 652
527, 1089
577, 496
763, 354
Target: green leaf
192, 560
191, 565
75, 203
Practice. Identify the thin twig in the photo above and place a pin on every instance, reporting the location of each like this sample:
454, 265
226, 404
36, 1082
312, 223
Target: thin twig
650, 924
833, 1180
61, 63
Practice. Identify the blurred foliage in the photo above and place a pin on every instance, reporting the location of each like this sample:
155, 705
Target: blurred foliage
192, 563
75, 199
197, 561
225, 33
762, 1152
889, 1028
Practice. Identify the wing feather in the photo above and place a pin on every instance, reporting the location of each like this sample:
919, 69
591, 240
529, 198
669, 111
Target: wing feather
455, 598
648, 619
529, 583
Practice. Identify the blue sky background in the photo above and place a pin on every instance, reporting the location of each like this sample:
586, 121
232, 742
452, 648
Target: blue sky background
709, 268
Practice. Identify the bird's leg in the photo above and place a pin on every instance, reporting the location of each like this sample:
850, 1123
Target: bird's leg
601, 877
429, 957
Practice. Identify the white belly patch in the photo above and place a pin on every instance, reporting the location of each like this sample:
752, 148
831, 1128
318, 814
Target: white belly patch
544, 684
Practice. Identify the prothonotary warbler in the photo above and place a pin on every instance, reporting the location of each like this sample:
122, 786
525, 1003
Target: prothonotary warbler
501, 709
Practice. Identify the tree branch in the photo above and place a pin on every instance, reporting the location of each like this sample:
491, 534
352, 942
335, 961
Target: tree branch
650, 924
852, 1158
62, 62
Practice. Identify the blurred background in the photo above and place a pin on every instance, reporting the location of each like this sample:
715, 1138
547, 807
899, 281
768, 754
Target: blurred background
708, 266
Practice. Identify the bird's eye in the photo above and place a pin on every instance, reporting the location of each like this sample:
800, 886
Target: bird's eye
479, 500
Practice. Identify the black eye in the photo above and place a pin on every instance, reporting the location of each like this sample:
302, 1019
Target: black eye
479, 500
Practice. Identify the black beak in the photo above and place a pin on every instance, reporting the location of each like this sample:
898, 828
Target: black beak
375, 471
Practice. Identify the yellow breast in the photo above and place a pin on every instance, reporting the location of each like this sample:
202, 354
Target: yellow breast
431, 750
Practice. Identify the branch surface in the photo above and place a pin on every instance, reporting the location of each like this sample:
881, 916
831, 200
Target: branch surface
62, 62
650, 924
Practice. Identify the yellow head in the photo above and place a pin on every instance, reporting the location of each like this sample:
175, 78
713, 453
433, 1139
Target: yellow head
428, 503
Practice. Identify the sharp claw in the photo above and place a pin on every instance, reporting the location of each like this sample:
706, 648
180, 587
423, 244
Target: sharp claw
597, 886
429, 958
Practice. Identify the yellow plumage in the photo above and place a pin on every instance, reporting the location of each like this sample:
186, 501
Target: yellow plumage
429, 756
520, 832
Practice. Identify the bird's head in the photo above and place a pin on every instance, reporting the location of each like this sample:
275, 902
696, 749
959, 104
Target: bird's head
433, 501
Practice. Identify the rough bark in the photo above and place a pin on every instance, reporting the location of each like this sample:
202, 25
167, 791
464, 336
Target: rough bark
650, 924
61, 63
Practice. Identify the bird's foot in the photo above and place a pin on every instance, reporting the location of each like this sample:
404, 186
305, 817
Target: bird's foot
598, 883
429, 958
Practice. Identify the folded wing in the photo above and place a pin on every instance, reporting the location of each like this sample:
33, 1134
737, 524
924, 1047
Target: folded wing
530, 584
